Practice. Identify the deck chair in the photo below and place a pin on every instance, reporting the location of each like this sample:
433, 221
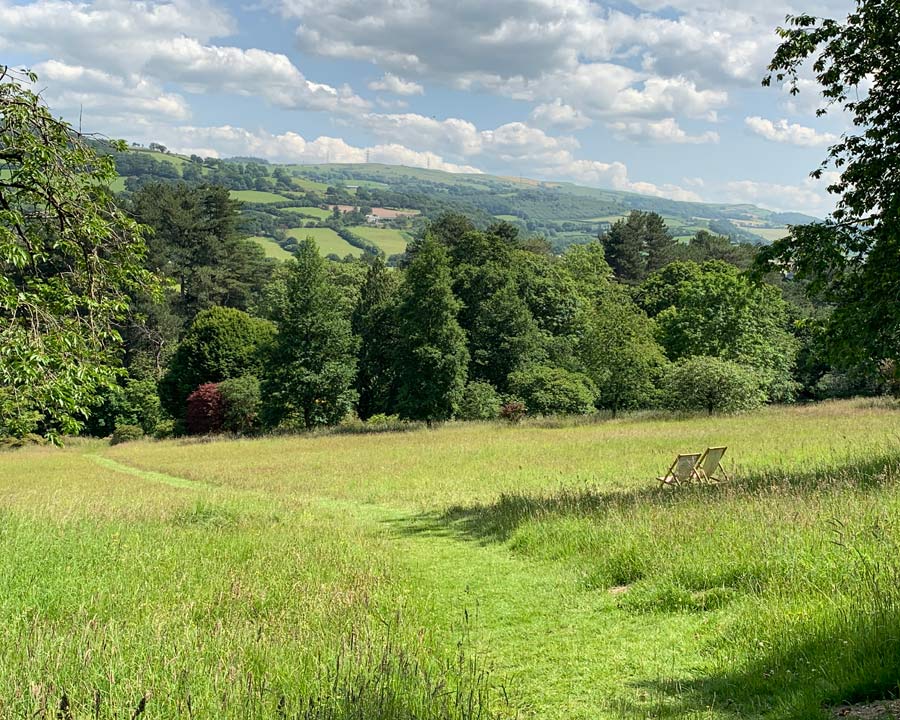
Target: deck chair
709, 467
683, 469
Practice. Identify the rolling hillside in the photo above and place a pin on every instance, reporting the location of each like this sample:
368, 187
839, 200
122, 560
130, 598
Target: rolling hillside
279, 198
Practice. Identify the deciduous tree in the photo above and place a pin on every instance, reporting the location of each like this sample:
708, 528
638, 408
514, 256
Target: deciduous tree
68, 260
852, 259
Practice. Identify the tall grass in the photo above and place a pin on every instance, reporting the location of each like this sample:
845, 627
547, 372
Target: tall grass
323, 578
800, 572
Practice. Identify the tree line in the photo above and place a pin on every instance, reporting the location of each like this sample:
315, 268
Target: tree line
152, 313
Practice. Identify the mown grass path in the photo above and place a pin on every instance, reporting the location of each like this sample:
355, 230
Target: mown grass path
560, 649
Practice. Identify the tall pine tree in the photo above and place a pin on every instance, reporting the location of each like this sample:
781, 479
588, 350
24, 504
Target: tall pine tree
639, 245
312, 364
373, 324
431, 360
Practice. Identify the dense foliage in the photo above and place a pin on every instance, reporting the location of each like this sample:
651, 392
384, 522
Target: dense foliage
853, 259
221, 343
68, 260
711, 384
477, 319
309, 372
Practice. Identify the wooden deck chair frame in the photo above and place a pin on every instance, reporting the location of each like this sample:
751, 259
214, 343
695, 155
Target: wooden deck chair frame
683, 468
709, 466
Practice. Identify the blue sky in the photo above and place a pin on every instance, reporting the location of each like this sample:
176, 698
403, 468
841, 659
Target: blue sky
649, 96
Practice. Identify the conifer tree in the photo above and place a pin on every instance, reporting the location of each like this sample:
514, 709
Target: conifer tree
432, 359
312, 364
373, 324
638, 245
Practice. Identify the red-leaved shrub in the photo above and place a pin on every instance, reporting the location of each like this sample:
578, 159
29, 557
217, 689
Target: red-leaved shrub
513, 410
205, 410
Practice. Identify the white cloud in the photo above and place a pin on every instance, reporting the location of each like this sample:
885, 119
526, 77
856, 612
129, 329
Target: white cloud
164, 42
73, 86
291, 147
390, 83
454, 135
809, 197
790, 133
529, 47
558, 114
660, 131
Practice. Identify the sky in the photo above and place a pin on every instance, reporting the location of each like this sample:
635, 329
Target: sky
657, 97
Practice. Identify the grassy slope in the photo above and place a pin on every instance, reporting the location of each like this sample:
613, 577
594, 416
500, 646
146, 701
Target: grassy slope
272, 249
390, 240
738, 603
327, 239
257, 196
313, 212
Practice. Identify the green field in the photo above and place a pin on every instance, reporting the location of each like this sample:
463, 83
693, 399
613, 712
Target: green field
768, 234
536, 570
311, 185
392, 242
328, 240
272, 248
313, 212
257, 196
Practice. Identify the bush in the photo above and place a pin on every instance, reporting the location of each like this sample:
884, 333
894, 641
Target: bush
205, 410
242, 402
553, 391
221, 343
513, 410
126, 433
712, 384
13, 442
165, 429
480, 401
135, 402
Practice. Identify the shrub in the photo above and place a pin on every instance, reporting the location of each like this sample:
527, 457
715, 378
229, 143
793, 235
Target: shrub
165, 429
242, 401
205, 410
135, 402
126, 433
553, 391
480, 401
712, 384
13, 442
221, 343
513, 410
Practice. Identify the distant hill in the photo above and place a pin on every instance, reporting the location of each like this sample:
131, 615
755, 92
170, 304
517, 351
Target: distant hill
289, 197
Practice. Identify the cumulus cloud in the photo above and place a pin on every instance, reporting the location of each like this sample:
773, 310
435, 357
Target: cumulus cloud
558, 114
507, 45
810, 196
390, 83
291, 147
660, 131
783, 131
164, 42
134, 96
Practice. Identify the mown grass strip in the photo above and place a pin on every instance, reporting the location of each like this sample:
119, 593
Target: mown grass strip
178, 482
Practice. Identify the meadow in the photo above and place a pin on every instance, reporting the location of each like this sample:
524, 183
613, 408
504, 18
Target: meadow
271, 248
328, 240
389, 240
472, 570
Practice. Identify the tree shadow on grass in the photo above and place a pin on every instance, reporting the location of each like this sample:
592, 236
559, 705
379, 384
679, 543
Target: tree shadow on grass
496, 521
809, 674
802, 669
